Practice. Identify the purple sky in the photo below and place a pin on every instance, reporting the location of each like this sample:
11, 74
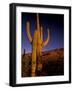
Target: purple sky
54, 22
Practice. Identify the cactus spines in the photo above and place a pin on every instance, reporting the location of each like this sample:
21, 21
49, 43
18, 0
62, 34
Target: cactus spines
37, 45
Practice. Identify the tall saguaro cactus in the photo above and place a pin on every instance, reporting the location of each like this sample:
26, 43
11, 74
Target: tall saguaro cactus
37, 45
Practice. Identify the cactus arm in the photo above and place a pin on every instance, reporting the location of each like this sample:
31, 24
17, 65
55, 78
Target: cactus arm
28, 32
41, 34
47, 40
38, 26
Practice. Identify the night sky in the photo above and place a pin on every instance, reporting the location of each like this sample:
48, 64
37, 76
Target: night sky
54, 22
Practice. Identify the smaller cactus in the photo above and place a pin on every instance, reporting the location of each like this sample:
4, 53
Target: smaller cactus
24, 52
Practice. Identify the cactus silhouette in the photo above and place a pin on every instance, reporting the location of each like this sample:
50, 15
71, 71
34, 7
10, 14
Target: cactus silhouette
37, 45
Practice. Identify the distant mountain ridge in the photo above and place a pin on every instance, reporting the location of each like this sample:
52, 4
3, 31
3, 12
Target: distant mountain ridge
52, 54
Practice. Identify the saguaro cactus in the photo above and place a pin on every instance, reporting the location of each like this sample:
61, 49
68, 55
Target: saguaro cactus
37, 45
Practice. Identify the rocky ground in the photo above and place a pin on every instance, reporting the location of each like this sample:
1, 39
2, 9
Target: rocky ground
52, 61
